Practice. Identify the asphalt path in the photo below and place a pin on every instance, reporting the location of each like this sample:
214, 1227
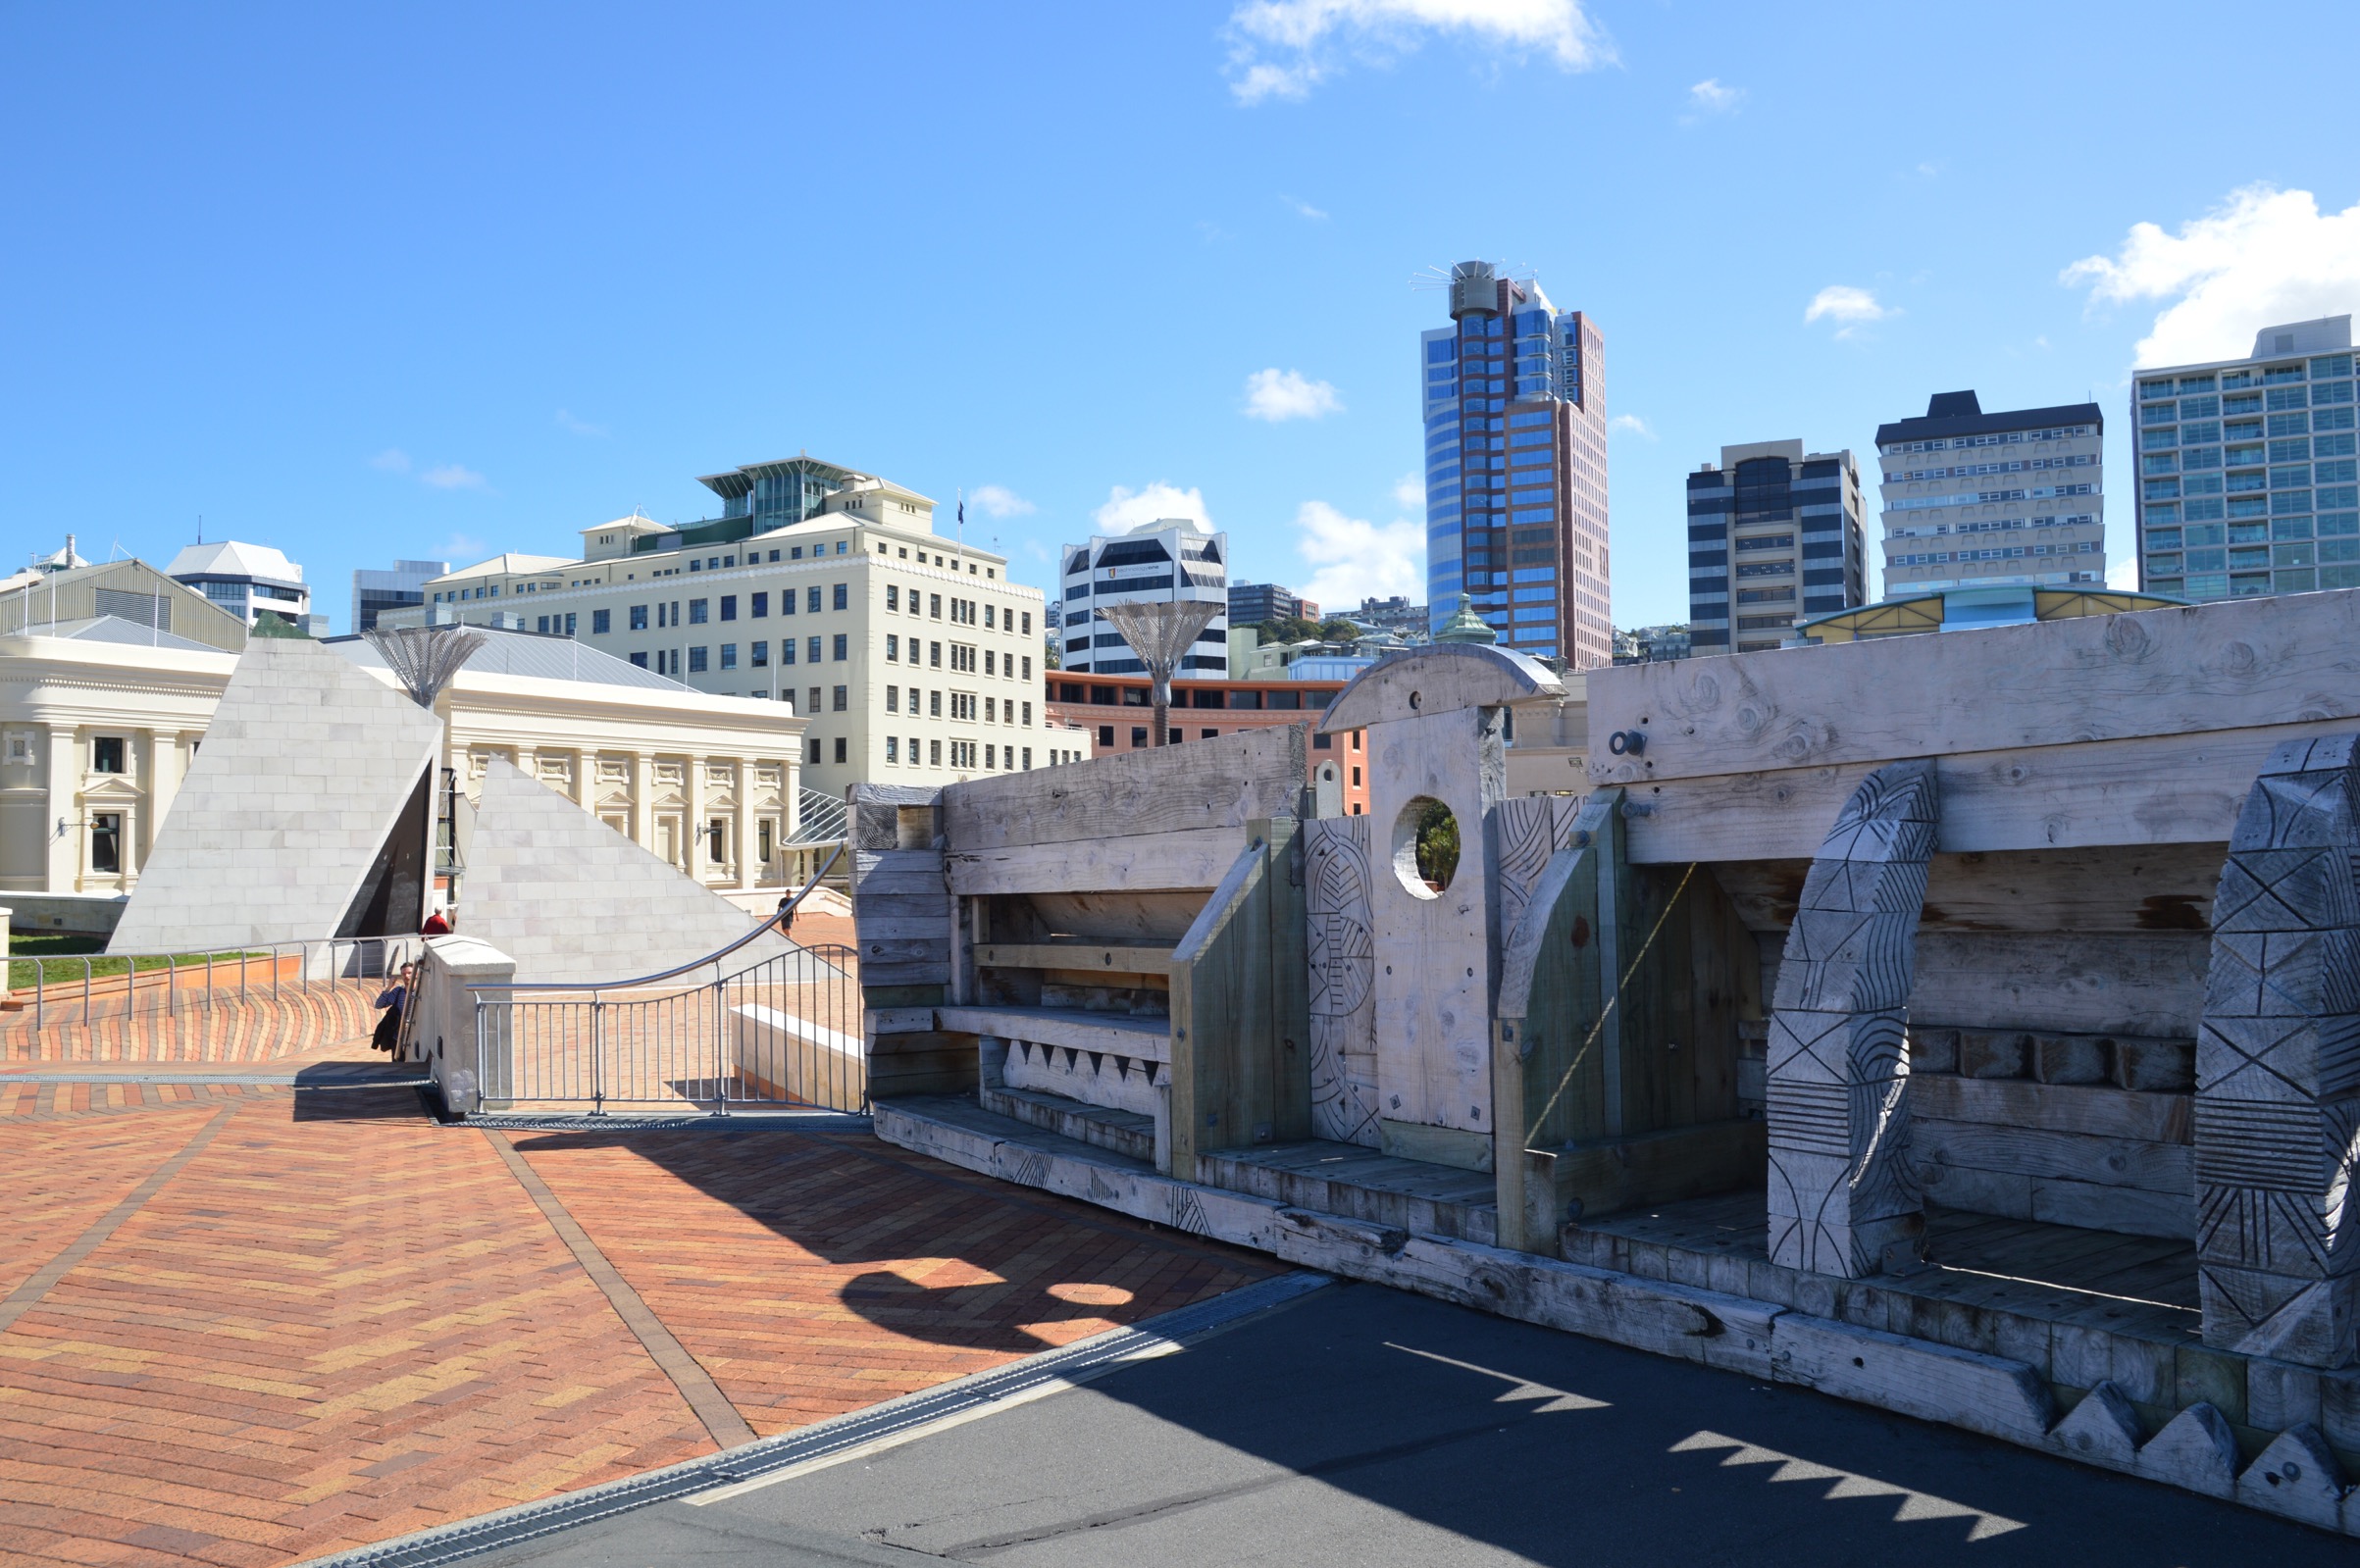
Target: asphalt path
1365, 1426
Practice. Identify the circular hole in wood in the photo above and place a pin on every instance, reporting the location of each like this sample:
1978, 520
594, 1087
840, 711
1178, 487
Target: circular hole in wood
1425, 847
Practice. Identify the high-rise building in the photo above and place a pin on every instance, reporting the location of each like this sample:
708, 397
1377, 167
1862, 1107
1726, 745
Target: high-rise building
1515, 398
374, 591
1773, 535
1253, 603
1977, 500
1160, 562
912, 658
2246, 469
250, 582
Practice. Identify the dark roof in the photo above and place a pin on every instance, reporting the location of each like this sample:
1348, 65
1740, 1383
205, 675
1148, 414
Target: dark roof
1960, 414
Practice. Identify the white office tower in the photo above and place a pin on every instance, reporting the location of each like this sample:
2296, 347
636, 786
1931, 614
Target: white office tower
1169, 559
2248, 481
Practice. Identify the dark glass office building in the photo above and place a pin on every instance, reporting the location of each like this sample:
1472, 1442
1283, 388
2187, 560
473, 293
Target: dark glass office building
1773, 535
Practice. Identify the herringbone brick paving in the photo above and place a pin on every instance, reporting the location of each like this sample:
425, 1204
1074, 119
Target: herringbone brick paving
339, 1322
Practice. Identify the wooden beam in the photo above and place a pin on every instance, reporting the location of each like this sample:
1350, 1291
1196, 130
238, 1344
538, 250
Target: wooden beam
1205, 784
1436, 678
1204, 1004
1184, 858
1077, 956
1122, 1033
2180, 789
2052, 1107
1436, 1145
2181, 671
2101, 984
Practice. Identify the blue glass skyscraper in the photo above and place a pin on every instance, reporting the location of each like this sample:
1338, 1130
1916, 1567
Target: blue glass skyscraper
1514, 399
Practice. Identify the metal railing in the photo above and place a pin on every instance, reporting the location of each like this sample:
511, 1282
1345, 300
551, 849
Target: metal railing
782, 1031
169, 983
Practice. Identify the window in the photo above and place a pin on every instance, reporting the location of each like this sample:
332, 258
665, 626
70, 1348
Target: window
696, 661
839, 748
638, 618
786, 601
106, 754
601, 622
934, 604
1105, 735
893, 699
716, 839
893, 596
1028, 623
811, 599
933, 753
761, 655
759, 609
811, 650
893, 648
933, 704
815, 708
729, 607
1028, 716
106, 841
785, 650
696, 612
843, 646
842, 595
1028, 759
1028, 667
934, 655
815, 751
843, 695
729, 656
640, 659
1139, 734
893, 748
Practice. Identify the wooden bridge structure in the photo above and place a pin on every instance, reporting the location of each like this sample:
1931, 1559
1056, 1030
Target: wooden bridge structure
1968, 1024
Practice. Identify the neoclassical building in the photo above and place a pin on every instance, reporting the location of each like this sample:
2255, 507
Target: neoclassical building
100, 718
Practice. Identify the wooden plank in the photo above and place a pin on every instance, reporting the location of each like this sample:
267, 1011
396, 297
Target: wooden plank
1454, 1146
2047, 1153
2158, 790
1642, 1169
1286, 951
877, 1020
1123, 1034
2098, 984
1186, 858
1439, 677
1076, 956
2110, 887
1203, 1003
2059, 1108
1203, 785
1991, 1394
2181, 671
897, 871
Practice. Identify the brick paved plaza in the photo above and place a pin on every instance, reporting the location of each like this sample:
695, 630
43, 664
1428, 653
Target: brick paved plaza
245, 1324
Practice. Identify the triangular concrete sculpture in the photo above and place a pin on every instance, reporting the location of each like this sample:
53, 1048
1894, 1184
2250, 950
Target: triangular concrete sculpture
305, 814
572, 900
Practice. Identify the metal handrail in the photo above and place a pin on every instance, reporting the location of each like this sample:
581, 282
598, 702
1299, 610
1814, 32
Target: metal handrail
660, 976
272, 954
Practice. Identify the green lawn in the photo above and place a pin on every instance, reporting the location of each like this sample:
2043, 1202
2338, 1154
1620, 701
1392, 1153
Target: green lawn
60, 962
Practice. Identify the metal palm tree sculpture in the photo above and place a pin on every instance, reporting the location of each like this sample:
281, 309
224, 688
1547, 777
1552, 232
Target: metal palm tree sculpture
424, 658
1162, 635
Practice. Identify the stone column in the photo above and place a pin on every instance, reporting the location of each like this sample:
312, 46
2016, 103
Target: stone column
692, 785
1842, 1197
2278, 1068
65, 848
586, 787
643, 800
749, 869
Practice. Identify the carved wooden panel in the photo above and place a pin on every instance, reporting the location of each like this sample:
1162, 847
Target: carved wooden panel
2278, 1067
1528, 829
1842, 1196
1343, 968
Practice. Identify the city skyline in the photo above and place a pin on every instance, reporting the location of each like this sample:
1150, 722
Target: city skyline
357, 339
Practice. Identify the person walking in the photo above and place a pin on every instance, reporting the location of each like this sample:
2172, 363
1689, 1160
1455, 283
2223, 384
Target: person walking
390, 1004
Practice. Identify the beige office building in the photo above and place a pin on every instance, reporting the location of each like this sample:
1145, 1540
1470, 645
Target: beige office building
912, 658
1977, 500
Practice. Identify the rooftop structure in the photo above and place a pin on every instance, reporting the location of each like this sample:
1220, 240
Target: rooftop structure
1969, 610
250, 582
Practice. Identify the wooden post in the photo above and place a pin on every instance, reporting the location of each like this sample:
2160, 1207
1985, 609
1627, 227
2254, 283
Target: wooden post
2278, 1067
1842, 1197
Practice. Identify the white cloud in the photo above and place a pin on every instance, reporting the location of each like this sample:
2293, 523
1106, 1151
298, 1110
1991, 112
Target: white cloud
1275, 394
1304, 208
462, 549
1353, 559
393, 460
998, 500
451, 476
1410, 491
2124, 575
1710, 97
2263, 257
1630, 423
1284, 48
574, 426
1127, 508
1853, 307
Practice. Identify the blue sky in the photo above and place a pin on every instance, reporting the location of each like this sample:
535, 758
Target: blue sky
367, 283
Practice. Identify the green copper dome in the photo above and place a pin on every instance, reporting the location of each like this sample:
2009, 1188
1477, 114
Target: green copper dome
1467, 626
